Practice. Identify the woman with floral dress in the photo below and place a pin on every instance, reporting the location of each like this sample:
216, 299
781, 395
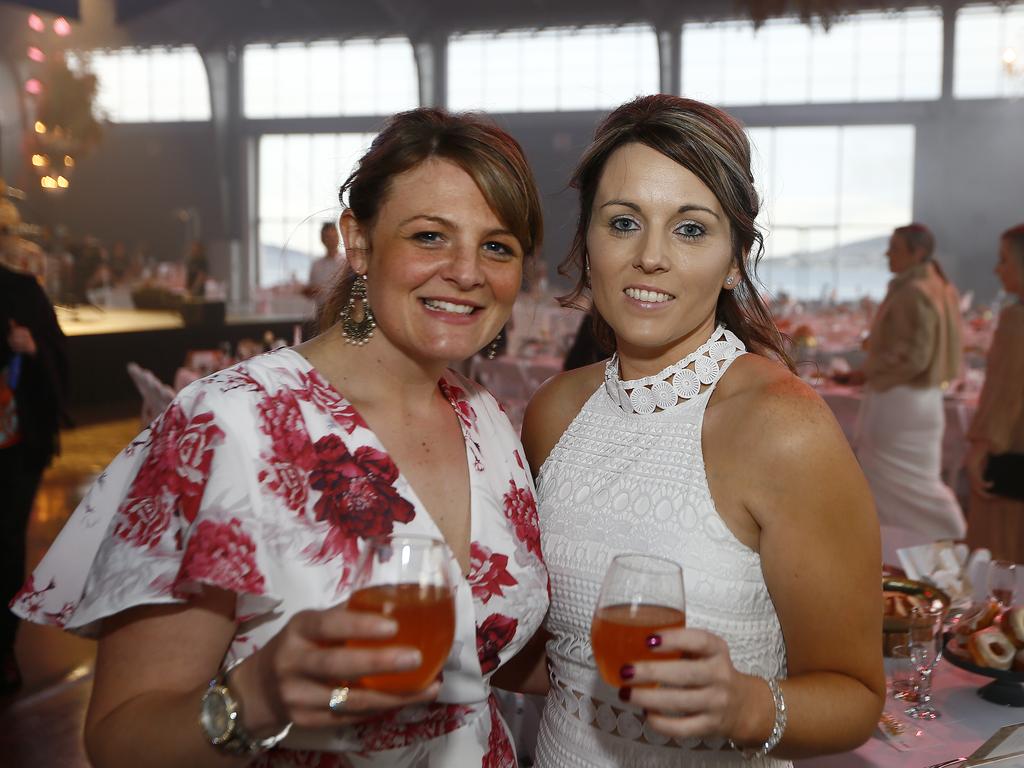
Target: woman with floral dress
229, 530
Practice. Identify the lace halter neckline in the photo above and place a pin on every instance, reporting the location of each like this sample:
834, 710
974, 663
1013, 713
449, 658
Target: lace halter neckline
678, 382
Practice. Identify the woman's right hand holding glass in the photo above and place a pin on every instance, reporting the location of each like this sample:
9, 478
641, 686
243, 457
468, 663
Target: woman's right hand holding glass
293, 677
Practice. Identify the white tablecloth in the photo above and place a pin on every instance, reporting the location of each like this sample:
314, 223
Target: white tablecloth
967, 722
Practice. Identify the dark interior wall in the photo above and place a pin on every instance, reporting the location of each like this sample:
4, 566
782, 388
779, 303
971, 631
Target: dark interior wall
130, 187
969, 185
553, 145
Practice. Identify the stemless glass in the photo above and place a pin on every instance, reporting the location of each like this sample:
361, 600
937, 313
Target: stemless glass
640, 595
1002, 580
407, 578
925, 652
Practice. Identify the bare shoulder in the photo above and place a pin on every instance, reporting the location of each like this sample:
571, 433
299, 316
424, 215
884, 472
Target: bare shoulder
786, 426
553, 407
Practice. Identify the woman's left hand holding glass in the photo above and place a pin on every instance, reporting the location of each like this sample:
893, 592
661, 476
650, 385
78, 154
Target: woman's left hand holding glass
701, 694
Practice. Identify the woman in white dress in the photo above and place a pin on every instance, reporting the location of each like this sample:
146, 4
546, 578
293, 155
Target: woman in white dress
694, 443
230, 528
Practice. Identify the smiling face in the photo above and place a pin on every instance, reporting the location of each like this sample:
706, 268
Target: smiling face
660, 251
1010, 268
443, 271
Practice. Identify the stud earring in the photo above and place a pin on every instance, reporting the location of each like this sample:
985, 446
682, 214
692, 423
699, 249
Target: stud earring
354, 331
730, 280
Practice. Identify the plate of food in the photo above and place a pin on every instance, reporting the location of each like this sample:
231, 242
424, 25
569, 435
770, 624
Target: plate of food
989, 640
901, 597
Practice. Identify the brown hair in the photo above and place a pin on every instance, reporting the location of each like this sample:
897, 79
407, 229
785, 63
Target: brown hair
712, 145
1015, 237
917, 237
492, 158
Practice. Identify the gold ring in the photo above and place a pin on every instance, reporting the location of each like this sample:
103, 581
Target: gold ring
339, 697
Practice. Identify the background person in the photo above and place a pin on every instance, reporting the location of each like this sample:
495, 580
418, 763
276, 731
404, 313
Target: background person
996, 435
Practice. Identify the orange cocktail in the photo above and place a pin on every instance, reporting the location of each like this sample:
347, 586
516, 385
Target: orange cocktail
619, 635
426, 620
640, 596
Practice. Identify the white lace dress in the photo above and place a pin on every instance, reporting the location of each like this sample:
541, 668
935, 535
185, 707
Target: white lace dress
628, 476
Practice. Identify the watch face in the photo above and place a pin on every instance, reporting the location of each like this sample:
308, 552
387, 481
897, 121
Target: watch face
215, 715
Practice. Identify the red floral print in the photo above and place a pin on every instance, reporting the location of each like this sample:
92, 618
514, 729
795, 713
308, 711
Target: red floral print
457, 397
521, 510
295, 758
499, 749
281, 421
357, 494
173, 477
494, 634
488, 572
402, 727
519, 459
315, 389
144, 520
289, 482
31, 599
224, 555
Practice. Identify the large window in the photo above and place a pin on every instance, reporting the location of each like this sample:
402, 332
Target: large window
356, 77
831, 197
148, 85
863, 57
984, 36
299, 176
551, 70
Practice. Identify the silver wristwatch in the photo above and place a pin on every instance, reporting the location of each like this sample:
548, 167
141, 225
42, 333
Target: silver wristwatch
220, 717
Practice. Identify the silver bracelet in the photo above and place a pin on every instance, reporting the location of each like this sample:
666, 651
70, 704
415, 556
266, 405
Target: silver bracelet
778, 727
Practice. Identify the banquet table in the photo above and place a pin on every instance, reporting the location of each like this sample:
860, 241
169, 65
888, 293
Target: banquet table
966, 722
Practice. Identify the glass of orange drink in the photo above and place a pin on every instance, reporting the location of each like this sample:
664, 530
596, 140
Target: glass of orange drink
407, 578
640, 596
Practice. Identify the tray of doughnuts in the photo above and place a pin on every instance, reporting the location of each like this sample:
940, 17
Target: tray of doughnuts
989, 640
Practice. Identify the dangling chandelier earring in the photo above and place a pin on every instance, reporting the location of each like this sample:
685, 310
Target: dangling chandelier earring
357, 332
491, 350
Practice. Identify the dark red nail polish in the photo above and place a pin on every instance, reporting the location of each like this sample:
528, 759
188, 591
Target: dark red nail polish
653, 641
627, 671
625, 693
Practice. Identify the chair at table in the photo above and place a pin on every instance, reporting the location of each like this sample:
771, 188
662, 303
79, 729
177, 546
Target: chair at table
156, 395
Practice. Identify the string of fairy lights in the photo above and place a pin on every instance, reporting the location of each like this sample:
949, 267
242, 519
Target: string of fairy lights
51, 156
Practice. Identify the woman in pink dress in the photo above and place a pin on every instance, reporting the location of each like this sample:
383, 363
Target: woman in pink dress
229, 529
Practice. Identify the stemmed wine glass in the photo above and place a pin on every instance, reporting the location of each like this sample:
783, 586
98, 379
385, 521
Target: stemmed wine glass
407, 578
925, 652
1002, 580
640, 595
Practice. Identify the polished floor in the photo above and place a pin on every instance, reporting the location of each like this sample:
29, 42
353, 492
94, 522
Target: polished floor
41, 726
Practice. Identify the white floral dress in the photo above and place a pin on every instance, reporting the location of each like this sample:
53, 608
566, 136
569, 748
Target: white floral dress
265, 481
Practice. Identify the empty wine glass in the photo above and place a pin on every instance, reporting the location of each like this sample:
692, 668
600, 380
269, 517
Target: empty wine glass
925, 652
1002, 580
